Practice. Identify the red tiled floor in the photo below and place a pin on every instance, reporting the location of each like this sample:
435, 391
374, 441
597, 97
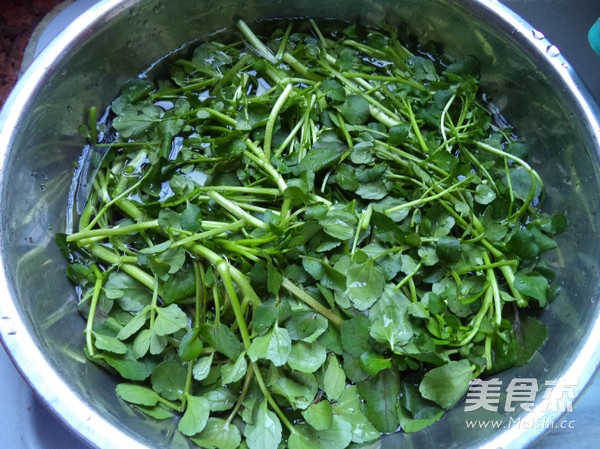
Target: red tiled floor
18, 19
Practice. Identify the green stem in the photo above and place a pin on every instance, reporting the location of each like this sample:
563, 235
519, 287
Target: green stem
269, 398
408, 277
93, 126
311, 302
237, 211
487, 302
485, 266
496, 292
261, 48
114, 259
92, 313
271, 120
223, 268
206, 234
425, 200
117, 230
415, 127
241, 397
199, 314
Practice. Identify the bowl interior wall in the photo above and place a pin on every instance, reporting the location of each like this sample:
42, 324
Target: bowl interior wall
129, 39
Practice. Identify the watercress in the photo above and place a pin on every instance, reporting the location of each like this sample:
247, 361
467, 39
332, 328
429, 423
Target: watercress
317, 237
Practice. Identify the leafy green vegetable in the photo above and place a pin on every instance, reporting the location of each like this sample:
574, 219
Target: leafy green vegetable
436, 383
318, 240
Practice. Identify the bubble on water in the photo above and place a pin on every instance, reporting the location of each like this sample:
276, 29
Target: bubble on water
538, 34
42, 187
8, 326
552, 51
69, 108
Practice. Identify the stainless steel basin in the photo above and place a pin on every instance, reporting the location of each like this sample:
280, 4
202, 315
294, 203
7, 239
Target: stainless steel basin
39, 324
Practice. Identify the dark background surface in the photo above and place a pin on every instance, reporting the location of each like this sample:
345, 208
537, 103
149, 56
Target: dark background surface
18, 20
26, 424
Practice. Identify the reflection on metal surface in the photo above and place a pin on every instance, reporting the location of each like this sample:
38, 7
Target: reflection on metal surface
529, 80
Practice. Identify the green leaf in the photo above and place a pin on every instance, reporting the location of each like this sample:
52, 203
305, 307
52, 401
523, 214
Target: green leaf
532, 285
355, 110
275, 279
543, 242
195, 417
428, 256
220, 399
168, 380
218, 434
264, 316
334, 380
410, 425
202, 367
190, 346
134, 90
319, 415
129, 367
449, 250
319, 159
137, 394
131, 295
414, 411
168, 219
349, 408
222, 339
265, 432
365, 283
447, 384
306, 357
296, 191
339, 223
337, 437
375, 190
159, 248
556, 225
157, 343
355, 335
108, 343
180, 286
145, 340
346, 178
232, 372
529, 334
276, 346
352, 368
76, 272
191, 218
398, 133
372, 362
484, 194
522, 242
135, 120
167, 262
392, 326
333, 90
521, 183
299, 395
380, 394
158, 412
169, 320
362, 153
306, 325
